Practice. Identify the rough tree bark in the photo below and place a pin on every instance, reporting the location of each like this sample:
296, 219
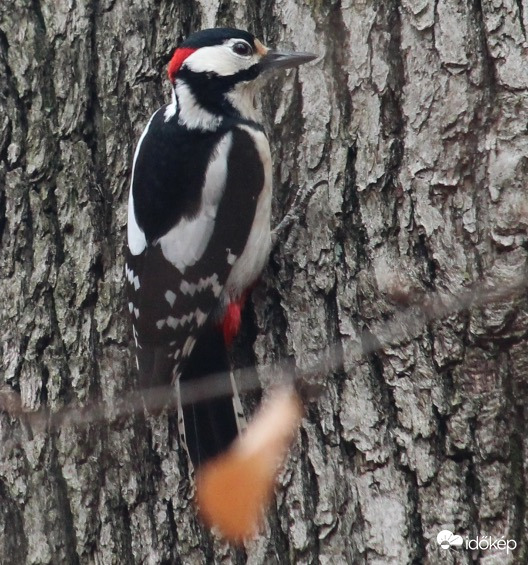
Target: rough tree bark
416, 116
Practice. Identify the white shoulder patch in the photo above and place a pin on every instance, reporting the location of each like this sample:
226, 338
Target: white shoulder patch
185, 243
136, 237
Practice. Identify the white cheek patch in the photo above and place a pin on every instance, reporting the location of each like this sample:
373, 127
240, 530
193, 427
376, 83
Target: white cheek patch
186, 242
218, 59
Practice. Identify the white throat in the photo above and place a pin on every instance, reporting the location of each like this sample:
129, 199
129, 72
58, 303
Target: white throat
242, 98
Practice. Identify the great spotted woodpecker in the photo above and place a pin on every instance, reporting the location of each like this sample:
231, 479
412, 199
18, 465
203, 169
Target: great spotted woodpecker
199, 221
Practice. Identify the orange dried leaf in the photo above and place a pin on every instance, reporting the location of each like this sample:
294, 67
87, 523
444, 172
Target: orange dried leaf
233, 489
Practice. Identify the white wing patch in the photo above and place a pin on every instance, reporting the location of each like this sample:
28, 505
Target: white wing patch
185, 243
135, 235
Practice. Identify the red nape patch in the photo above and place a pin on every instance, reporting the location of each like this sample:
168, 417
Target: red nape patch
232, 320
177, 60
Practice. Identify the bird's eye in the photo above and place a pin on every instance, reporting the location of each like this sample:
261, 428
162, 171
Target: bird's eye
242, 48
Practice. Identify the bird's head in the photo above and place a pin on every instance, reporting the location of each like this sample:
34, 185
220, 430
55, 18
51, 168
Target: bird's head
216, 70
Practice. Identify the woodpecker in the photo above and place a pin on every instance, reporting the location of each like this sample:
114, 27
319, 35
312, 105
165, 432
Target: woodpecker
199, 222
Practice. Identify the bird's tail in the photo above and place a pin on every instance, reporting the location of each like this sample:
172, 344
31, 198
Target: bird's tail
212, 424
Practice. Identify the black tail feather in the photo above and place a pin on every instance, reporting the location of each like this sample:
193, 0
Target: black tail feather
155, 366
210, 425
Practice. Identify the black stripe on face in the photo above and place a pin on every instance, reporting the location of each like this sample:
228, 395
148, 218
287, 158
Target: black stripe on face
222, 83
209, 88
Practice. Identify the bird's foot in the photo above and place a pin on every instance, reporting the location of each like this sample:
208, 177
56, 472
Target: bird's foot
296, 211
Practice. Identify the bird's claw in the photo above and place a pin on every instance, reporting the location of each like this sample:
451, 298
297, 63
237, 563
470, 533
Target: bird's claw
296, 210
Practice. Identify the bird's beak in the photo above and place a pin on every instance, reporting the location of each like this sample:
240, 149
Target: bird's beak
285, 59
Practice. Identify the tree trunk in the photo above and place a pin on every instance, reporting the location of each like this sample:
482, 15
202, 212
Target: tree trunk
415, 117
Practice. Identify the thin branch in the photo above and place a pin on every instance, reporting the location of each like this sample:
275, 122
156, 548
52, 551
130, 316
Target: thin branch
405, 325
